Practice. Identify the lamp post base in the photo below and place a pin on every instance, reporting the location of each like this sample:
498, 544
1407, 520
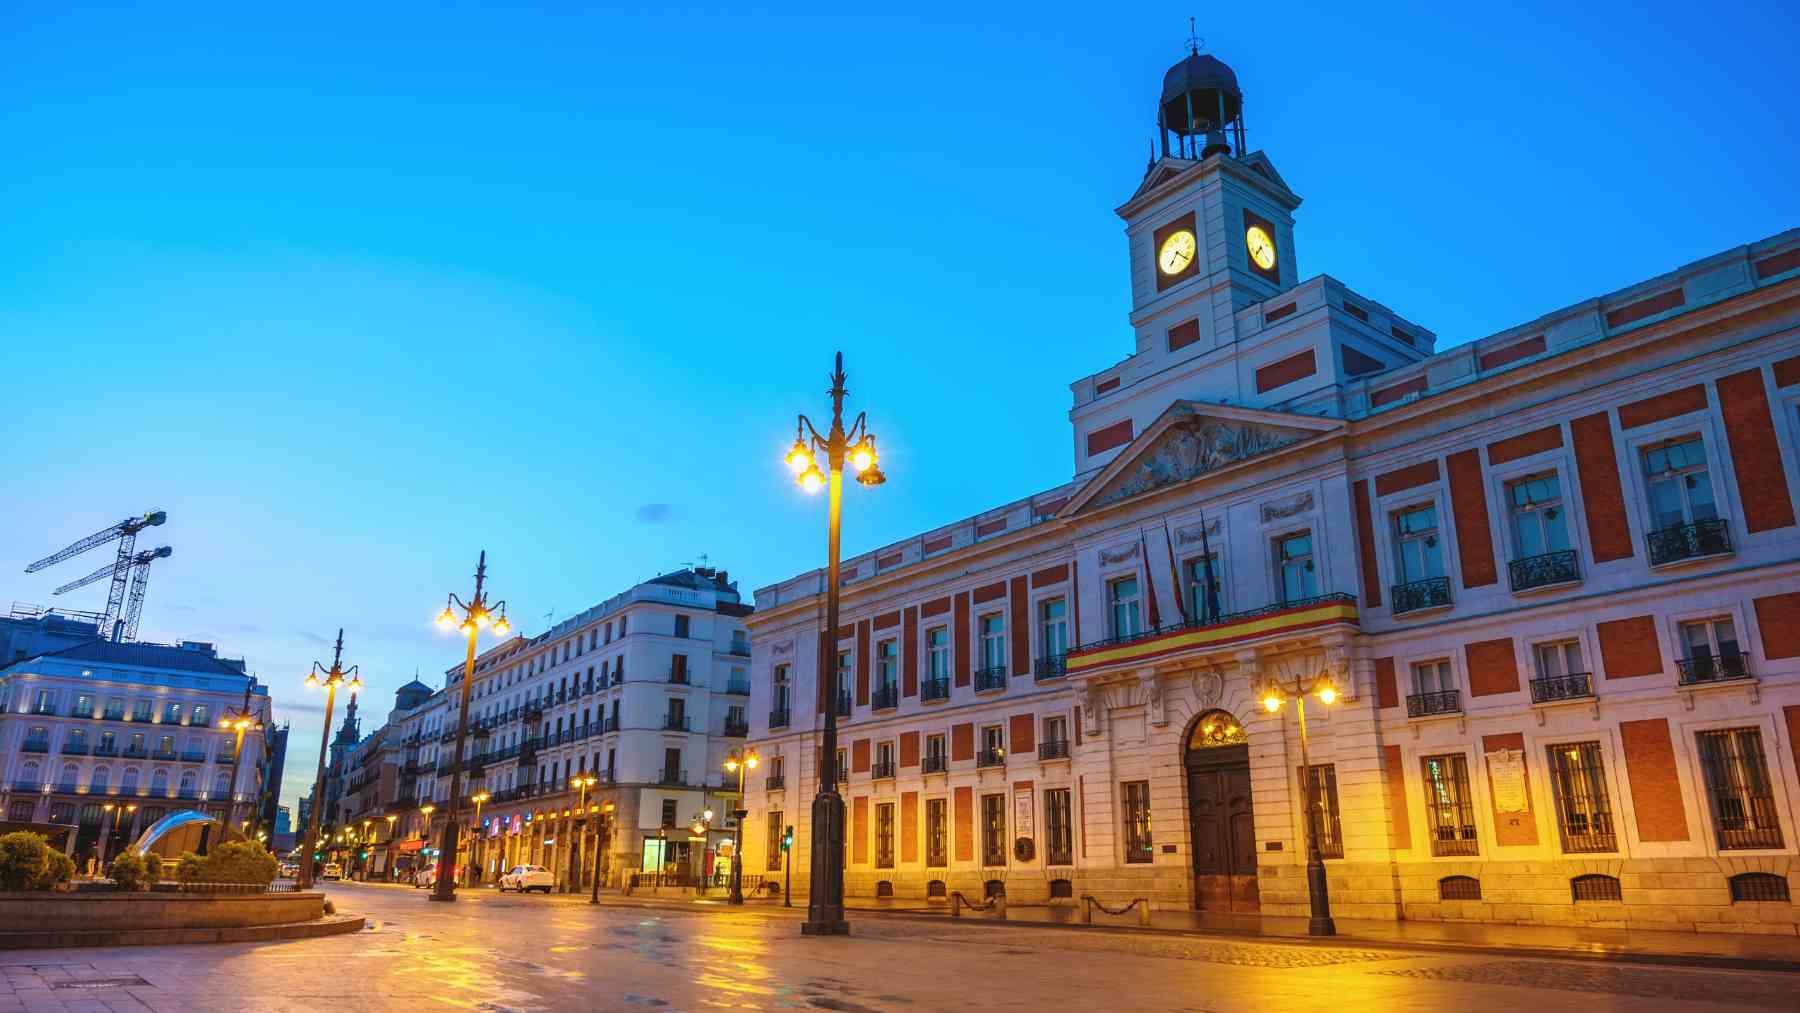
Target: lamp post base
1321, 927
443, 899
825, 928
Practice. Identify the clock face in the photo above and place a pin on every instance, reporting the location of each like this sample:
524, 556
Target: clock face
1261, 247
1177, 252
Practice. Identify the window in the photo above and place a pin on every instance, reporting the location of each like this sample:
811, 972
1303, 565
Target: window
937, 833
1578, 787
84, 706
993, 830
783, 687
887, 668
844, 683
993, 746
202, 715
1680, 489
1200, 576
935, 758
1449, 809
1053, 629
1137, 821
1056, 738
776, 830
1561, 673
668, 812
1418, 556
1434, 689
1058, 828
884, 835
140, 710
671, 766
884, 760
1294, 567
1737, 788
1711, 651
1124, 606
1322, 801
1538, 524
21, 812
937, 649
681, 626
843, 767
993, 641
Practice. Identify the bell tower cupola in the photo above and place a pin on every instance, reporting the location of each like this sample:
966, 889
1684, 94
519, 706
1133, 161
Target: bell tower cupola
1202, 108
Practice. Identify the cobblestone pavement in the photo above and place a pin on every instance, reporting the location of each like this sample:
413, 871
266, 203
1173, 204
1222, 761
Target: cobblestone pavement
504, 954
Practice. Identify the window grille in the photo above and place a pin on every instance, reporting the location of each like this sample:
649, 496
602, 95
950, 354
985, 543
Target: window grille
936, 888
936, 834
1595, 887
1137, 821
1738, 789
1449, 811
1061, 888
1459, 888
1758, 886
884, 836
1583, 809
993, 829
1060, 849
1322, 798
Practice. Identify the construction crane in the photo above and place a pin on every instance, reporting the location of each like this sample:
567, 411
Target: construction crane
139, 565
121, 571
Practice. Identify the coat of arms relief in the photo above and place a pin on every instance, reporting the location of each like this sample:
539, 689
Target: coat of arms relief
1194, 446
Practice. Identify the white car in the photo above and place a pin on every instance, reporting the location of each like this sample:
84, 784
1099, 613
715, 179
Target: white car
524, 878
425, 877
332, 870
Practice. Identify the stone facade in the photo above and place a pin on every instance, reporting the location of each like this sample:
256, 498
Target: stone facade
1548, 574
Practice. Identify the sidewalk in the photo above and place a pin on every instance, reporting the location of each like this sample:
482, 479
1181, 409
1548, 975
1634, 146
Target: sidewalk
1732, 951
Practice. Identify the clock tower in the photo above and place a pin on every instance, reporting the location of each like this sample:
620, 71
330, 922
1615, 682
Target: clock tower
1211, 226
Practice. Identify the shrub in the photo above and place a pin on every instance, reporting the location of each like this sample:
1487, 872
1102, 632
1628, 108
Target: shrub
23, 856
242, 862
190, 868
128, 873
153, 864
58, 869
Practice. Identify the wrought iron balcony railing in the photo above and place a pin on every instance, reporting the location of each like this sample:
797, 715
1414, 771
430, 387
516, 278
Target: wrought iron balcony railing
934, 763
1551, 688
991, 758
885, 698
779, 718
1421, 705
991, 678
36, 746
882, 768
675, 723
739, 687
1547, 570
1723, 668
774, 782
737, 729
1689, 541
1054, 667
844, 705
739, 649
1432, 592
672, 777
934, 689
1053, 749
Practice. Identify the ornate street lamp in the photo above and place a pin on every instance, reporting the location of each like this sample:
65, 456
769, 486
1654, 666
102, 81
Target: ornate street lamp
600, 842
469, 617
1275, 692
475, 828
739, 761
825, 906
333, 677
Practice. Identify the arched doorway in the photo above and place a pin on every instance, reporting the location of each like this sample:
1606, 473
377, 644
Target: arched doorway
1220, 821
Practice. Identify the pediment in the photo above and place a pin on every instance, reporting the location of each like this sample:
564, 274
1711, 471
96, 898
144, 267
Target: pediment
1161, 171
1191, 440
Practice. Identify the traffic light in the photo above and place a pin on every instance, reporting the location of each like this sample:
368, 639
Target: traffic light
787, 838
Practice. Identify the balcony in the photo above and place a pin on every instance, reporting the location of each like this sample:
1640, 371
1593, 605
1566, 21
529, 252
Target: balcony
27, 786
934, 689
226, 757
844, 705
36, 746
885, 698
610, 724
738, 687
1689, 541
194, 756
1547, 570
135, 753
672, 777
44, 710
1424, 705
1053, 749
779, 718
678, 675
1225, 634
1419, 595
1707, 670
113, 716
736, 729
1054, 667
675, 723
934, 763
991, 678
75, 749
775, 782
882, 769
1554, 688
106, 749
739, 649
991, 758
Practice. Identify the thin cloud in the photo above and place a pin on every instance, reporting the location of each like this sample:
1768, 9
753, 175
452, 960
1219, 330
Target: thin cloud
655, 513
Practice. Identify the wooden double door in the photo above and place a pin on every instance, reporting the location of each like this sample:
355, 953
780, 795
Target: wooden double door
1223, 829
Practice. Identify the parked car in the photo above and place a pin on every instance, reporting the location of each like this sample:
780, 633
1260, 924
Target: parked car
524, 878
425, 876
332, 870
289, 871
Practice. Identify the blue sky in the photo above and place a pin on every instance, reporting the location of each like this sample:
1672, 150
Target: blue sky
355, 293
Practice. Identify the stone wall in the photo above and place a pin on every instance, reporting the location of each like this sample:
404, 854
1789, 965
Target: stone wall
78, 912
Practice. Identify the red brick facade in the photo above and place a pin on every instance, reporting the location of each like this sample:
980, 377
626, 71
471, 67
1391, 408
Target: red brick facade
1628, 648
1492, 667
1755, 451
1655, 787
1597, 464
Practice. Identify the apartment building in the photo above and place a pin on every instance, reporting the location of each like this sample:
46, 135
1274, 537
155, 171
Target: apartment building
1549, 576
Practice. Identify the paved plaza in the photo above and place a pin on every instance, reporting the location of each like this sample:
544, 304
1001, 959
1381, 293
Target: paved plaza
507, 953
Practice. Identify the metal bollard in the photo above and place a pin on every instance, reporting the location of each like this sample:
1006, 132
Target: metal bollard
1144, 912
955, 905
1087, 910
1000, 907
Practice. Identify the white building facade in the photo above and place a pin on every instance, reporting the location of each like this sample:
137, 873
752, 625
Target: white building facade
1549, 573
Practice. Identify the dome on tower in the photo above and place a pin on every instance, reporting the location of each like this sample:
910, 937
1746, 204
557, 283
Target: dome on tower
1200, 94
